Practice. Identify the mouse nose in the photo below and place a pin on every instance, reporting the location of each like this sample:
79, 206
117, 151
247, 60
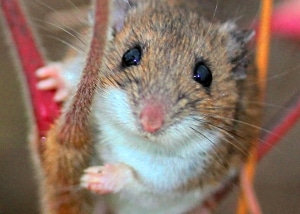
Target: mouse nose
152, 118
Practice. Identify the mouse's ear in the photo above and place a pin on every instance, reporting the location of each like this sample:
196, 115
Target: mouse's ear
237, 43
119, 12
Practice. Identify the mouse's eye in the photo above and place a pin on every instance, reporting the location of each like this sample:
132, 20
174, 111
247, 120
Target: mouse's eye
132, 57
202, 74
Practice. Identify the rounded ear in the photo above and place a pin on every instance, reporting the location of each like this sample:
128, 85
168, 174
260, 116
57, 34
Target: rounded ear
237, 47
120, 11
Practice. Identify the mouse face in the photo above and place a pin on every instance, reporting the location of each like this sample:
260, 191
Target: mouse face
170, 77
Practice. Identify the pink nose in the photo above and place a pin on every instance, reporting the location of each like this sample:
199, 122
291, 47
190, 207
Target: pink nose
152, 118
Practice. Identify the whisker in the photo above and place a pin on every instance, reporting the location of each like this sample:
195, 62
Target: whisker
275, 76
228, 133
44, 5
60, 16
214, 145
257, 127
210, 25
215, 10
256, 103
75, 7
74, 34
70, 45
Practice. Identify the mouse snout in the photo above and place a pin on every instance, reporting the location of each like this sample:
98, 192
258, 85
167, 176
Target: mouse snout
152, 117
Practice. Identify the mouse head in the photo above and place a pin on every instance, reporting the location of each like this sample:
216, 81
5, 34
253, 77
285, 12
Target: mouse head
171, 72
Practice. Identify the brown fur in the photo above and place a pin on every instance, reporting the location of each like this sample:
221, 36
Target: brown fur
174, 47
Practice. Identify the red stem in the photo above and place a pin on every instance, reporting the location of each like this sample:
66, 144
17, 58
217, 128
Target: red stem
280, 129
44, 108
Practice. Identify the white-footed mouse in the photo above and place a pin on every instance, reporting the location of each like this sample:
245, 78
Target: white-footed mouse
175, 117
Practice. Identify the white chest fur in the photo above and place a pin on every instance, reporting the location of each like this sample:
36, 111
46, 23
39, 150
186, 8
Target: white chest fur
161, 174
161, 168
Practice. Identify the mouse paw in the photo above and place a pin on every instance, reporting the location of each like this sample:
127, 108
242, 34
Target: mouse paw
51, 78
110, 178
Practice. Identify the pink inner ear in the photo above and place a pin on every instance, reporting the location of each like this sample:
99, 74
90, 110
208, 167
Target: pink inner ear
286, 19
118, 20
119, 14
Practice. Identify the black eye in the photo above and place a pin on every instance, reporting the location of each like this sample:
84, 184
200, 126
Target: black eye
132, 57
202, 74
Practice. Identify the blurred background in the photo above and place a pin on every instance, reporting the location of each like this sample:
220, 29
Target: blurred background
278, 175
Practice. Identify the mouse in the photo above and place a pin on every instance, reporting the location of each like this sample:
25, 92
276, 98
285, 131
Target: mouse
176, 114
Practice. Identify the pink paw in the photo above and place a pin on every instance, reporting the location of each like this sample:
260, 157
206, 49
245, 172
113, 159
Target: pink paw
51, 79
110, 178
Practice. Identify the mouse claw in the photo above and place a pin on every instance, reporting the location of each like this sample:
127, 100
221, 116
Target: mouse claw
110, 178
47, 84
51, 78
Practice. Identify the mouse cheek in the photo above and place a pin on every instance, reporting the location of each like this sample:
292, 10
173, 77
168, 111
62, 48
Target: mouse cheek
152, 118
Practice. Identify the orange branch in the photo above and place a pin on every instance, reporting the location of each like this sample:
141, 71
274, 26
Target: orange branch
262, 58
